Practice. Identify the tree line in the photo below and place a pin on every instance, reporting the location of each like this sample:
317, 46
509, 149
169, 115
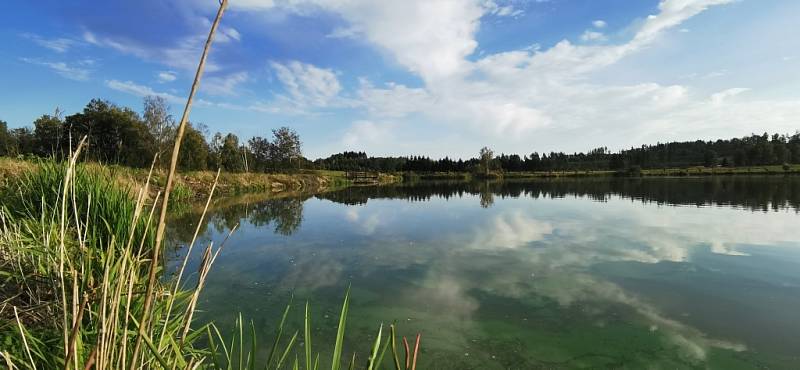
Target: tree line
753, 150
120, 135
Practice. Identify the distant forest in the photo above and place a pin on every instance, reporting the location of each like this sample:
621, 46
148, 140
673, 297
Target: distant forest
754, 150
120, 135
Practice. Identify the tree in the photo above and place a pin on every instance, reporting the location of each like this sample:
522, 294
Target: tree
115, 134
709, 158
230, 154
485, 157
159, 123
194, 150
6, 140
22, 140
260, 149
48, 134
286, 146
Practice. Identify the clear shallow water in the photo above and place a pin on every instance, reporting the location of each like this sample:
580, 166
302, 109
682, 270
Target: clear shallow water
595, 273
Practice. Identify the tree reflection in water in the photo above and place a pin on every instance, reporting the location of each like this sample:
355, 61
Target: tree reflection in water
756, 193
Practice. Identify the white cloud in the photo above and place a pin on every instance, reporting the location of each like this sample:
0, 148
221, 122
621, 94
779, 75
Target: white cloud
721, 96
166, 76
510, 231
60, 45
183, 55
130, 87
506, 10
365, 133
228, 34
225, 85
393, 100
590, 35
307, 84
518, 92
517, 96
431, 38
62, 68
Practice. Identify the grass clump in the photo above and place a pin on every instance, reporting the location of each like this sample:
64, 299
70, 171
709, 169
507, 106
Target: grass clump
74, 258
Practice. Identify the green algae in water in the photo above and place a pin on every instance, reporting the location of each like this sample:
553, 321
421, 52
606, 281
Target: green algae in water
548, 275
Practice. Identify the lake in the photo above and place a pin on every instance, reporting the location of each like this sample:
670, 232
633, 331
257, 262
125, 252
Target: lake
564, 273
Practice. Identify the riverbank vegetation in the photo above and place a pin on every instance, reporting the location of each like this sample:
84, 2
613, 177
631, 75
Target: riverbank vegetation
121, 136
195, 185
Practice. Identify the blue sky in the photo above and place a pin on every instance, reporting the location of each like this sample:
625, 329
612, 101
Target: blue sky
435, 77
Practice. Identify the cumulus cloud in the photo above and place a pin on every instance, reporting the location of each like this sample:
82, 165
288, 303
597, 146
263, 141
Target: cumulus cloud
519, 95
307, 84
166, 76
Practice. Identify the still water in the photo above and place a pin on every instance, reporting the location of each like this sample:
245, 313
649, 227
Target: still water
587, 273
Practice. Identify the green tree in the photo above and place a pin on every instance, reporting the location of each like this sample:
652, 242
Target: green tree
710, 158
160, 123
286, 148
6, 140
231, 155
48, 132
485, 157
115, 134
260, 149
194, 150
23, 141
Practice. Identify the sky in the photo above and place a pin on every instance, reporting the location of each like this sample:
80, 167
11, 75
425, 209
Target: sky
430, 77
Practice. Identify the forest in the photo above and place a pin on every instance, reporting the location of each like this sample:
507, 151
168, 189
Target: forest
120, 135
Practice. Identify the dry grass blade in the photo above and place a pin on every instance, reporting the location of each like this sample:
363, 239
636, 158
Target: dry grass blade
416, 351
170, 178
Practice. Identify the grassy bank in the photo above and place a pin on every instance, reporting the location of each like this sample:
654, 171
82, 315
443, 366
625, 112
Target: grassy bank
197, 184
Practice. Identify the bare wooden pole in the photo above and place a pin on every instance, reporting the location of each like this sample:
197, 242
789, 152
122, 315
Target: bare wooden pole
148, 301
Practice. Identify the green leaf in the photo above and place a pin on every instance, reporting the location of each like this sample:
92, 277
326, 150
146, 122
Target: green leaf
287, 350
307, 336
337, 350
374, 355
394, 349
278, 334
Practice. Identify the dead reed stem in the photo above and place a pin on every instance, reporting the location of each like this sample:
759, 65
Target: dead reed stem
152, 279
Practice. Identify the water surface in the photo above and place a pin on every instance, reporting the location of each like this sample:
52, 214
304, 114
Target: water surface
593, 273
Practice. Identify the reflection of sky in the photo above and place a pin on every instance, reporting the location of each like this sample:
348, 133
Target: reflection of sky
438, 264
